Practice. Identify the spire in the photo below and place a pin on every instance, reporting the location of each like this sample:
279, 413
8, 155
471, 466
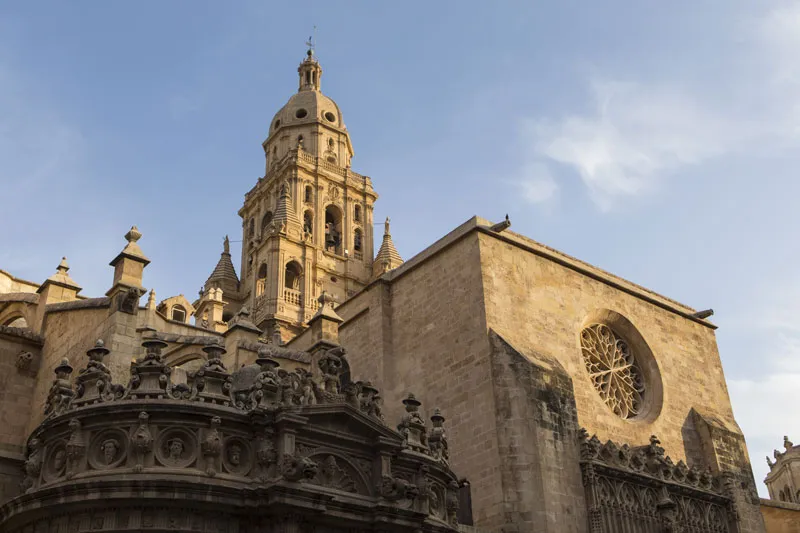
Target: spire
387, 258
224, 274
151, 300
284, 213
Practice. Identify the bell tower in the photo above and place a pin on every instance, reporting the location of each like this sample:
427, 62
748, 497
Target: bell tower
307, 223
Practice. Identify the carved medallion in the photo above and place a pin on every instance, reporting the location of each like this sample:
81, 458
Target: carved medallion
176, 448
237, 457
108, 450
56, 461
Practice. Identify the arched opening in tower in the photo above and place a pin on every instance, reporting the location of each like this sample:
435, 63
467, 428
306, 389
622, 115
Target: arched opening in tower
261, 279
293, 283
265, 222
308, 223
358, 245
333, 229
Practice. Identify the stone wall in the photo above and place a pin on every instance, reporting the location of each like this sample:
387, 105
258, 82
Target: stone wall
541, 306
425, 328
781, 517
20, 354
69, 333
424, 333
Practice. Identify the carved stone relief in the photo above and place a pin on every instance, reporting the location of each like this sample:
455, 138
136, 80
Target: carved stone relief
108, 449
176, 447
237, 457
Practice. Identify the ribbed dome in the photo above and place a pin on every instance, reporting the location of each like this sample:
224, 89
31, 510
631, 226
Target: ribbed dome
308, 106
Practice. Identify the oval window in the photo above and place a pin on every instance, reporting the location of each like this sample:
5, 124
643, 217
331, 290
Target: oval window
330, 117
277, 124
301, 113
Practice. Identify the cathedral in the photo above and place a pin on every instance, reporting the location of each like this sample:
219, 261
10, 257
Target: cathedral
488, 384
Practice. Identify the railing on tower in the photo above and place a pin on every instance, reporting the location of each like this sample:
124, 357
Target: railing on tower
292, 296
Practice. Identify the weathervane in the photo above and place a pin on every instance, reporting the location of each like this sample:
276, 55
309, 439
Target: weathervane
312, 40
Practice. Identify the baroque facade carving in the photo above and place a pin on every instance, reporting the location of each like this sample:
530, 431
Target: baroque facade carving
115, 438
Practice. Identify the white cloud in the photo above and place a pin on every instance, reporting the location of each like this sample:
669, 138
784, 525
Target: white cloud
538, 185
638, 132
635, 133
764, 404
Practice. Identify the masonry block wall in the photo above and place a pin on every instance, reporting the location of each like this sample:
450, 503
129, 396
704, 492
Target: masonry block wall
424, 333
424, 328
20, 357
541, 306
781, 517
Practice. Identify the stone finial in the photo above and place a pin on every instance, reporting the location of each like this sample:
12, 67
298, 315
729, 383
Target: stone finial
62, 279
770, 462
128, 267
386, 227
98, 352
326, 303
151, 300
133, 234
226, 245
787, 443
64, 369
412, 426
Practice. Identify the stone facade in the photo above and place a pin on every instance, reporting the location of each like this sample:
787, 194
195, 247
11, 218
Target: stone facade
262, 449
781, 517
573, 400
782, 511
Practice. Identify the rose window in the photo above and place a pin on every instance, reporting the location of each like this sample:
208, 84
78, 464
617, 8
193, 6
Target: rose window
614, 371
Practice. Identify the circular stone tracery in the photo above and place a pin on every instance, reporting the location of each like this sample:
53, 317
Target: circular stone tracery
614, 370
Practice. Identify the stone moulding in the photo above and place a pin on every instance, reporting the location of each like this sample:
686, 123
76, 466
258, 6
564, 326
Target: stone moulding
284, 445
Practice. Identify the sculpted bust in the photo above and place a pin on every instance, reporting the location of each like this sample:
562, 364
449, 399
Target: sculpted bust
110, 447
235, 455
59, 459
175, 447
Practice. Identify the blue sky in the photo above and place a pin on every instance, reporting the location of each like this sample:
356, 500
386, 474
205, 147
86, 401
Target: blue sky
655, 140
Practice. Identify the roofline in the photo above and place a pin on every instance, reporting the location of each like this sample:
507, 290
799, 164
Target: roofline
480, 225
19, 280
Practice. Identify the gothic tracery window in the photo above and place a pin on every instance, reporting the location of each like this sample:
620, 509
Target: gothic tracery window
614, 371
